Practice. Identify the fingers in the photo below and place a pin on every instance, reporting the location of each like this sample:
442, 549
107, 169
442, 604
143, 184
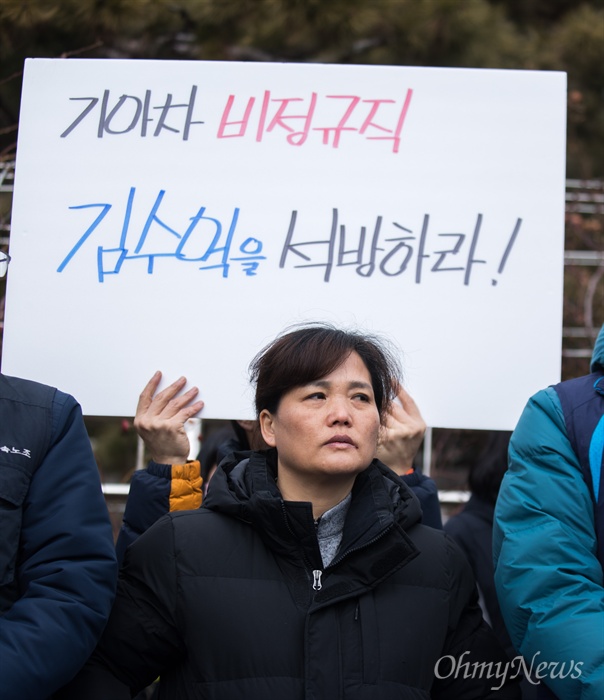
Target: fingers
172, 404
402, 433
167, 395
147, 393
404, 419
410, 406
160, 419
192, 410
407, 404
166, 401
407, 401
168, 407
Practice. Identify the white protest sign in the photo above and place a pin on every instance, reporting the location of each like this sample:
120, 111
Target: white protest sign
179, 215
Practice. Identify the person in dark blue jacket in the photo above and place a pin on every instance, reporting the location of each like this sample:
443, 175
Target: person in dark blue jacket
58, 570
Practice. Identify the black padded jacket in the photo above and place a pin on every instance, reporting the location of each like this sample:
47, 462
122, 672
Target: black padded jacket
231, 602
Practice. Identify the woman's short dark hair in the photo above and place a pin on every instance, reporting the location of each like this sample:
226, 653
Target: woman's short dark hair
309, 352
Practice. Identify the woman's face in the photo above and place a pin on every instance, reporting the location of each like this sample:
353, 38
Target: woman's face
327, 427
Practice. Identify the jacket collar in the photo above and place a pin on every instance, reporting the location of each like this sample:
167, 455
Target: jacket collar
374, 543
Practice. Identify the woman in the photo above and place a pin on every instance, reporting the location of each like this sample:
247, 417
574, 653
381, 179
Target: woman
306, 573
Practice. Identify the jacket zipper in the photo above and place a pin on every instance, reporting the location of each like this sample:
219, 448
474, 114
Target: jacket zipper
316, 580
317, 585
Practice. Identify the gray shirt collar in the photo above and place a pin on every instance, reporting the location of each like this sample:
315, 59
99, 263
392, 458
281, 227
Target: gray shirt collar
330, 528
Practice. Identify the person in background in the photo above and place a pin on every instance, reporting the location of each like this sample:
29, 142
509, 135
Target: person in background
472, 527
214, 448
168, 486
307, 571
548, 535
58, 570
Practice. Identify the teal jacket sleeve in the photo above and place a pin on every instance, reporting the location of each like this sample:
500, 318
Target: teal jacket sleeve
548, 579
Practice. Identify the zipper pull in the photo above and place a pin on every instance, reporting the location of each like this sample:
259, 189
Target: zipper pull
316, 580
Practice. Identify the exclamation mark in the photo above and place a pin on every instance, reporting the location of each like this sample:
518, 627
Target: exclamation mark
508, 249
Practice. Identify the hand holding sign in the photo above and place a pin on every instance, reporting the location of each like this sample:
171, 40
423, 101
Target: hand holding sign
160, 419
402, 434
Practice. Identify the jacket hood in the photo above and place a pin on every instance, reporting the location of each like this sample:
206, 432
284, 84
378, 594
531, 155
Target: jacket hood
245, 487
597, 359
245, 476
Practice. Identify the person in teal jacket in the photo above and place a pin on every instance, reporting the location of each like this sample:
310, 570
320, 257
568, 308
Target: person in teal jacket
547, 553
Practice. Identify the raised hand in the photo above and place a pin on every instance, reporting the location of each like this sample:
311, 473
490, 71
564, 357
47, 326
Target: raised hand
160, 419
402, 434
